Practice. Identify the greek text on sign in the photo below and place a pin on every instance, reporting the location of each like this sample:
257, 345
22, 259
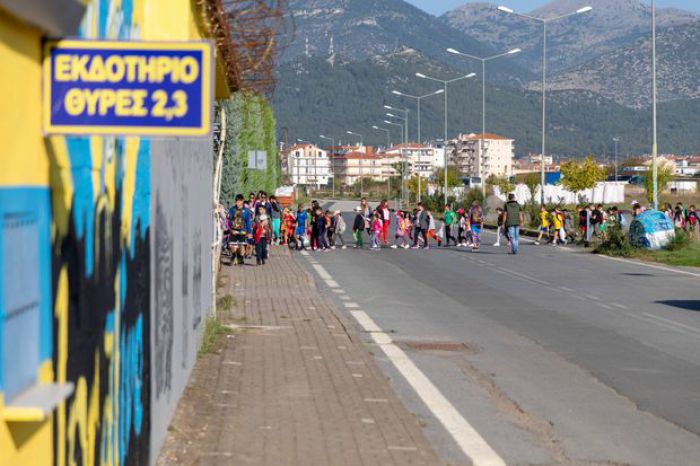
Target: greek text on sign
127, 88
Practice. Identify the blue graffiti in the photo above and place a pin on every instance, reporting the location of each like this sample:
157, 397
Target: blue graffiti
130, 385
83, 205
141, 206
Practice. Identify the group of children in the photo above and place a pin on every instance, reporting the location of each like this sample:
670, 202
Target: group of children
314, 228
684, 219
249, 226
417, 228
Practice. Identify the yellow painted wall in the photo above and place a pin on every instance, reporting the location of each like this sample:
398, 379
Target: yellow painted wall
23, 154
24, 163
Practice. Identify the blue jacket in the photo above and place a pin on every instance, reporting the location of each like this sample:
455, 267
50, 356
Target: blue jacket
247, 218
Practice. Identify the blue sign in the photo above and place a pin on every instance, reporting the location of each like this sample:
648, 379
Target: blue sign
127, 88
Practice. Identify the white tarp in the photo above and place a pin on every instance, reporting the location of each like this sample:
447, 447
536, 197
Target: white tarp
608, 192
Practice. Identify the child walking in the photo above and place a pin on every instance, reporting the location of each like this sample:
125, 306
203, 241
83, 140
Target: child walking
376, 230
358, 226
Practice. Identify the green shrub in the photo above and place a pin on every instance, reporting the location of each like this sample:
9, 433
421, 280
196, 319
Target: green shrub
616, 244
681, 240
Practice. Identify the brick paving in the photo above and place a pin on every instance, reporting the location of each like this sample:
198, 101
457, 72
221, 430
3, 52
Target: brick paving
292, 385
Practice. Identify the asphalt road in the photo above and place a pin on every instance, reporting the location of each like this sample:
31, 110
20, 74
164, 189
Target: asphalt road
555, 356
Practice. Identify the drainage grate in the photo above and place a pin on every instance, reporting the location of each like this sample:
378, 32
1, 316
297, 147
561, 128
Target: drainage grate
435, 346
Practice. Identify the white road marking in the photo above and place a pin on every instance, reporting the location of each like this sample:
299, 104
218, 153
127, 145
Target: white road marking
633, 262
397, 448
594, 298
468, 439
673, 328
525, 277
605, 306
331, 283
673, 322
321, 272
365, 321
350, 305
567, 289
339, 291
621, 306
376, 400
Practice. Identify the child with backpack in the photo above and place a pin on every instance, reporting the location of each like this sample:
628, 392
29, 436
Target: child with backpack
261, 234
358, 227
401, 230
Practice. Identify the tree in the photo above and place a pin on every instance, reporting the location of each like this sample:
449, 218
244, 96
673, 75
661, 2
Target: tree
504, 185
532, 181
580, 175
664, 175
413, 186
453, 179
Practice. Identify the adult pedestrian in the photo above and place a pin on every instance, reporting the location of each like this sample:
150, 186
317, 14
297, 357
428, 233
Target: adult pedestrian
450, 220
385, 217
513, 221
276, 217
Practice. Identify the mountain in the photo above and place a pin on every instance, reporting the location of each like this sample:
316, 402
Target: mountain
610, 25
624, 75
313, 97
360, 29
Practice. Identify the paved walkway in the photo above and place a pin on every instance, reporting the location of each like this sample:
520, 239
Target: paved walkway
293, 385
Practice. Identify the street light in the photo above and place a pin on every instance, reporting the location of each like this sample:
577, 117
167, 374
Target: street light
445, 83
616, 141
388, 134
362, 144
544, 22
400, 125
418, 100
483, 100
655, 145
331, 161
404, 137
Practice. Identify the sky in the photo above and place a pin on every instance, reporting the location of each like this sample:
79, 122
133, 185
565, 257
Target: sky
438, 7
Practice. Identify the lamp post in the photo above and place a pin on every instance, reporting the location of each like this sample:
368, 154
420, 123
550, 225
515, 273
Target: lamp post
483, 100
544, 22
654, 146
403, 147
331, 161
362, 144
401, 128
445, 83
388, 134
617, 142
418, 101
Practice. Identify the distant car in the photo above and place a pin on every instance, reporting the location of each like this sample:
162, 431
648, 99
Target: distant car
623, 178
636, 179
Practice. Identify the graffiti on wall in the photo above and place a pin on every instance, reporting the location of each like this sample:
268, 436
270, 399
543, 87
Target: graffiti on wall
101, 281
164, 325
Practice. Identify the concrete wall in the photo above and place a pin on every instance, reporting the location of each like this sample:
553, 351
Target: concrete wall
181, 179
107, 239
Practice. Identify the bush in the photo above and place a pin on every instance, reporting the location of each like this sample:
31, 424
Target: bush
680, 241
616, 244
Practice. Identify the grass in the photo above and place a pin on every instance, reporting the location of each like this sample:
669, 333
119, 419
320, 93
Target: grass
213, 330
225, 302
682, 251
687, 256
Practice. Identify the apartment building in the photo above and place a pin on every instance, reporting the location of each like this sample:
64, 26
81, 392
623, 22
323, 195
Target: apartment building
308, 164
498, 157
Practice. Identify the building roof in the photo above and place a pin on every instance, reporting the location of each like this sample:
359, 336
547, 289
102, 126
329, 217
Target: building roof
491, 136
410, 145
356, 155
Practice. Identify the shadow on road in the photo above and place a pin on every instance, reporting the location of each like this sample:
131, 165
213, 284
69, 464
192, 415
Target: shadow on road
688, 305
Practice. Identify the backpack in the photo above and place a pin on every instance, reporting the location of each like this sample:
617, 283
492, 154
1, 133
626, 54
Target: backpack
237, 223
340, 228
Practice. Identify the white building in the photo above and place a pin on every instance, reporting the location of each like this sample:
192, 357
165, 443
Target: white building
498, 157
422, 160
307, 164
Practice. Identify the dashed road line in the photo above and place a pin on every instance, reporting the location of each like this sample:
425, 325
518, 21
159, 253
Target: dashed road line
466, 437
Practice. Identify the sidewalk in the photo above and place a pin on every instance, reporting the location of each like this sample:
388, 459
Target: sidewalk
293, 385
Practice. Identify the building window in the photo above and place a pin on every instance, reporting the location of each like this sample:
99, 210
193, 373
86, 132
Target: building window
19, 308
